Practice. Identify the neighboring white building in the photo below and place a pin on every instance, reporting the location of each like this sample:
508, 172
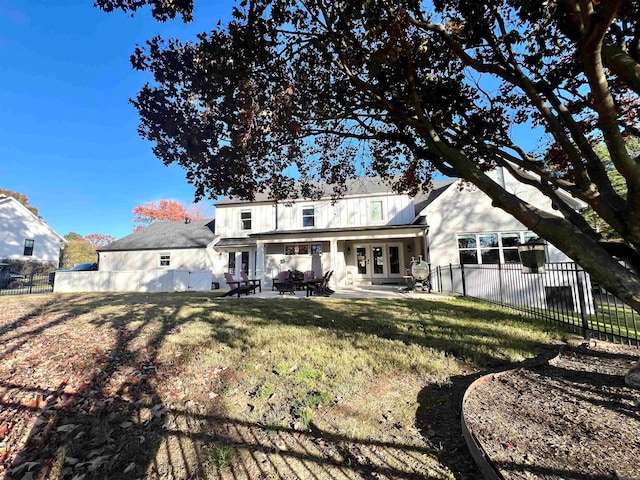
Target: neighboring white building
23, 236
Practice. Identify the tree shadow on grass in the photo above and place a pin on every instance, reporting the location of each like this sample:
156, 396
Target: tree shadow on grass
107, 420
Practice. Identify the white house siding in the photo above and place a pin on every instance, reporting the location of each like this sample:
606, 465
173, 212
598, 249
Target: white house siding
180, 259
347, 212
470, 211
18, 224
134, 281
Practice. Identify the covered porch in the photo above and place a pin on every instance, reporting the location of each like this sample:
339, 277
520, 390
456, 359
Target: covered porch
357, 256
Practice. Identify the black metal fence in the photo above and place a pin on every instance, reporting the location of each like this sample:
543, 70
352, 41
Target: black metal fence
563, 294
19, 284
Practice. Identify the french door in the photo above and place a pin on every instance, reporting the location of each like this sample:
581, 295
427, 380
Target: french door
381, 260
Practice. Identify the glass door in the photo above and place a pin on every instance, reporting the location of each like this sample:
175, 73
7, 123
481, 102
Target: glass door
362, 262
395, 260
377, 255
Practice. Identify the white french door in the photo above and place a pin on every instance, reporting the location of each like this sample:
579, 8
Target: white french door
380, 260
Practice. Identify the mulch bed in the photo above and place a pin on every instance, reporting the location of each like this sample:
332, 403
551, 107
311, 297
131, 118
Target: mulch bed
571, 419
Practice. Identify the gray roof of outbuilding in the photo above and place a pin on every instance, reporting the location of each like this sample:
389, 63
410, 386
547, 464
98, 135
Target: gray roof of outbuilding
197, 233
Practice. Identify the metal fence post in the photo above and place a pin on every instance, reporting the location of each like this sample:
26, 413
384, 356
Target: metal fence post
464, 284
586, 332
500, 284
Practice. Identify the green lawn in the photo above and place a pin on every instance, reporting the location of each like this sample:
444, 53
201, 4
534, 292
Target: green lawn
190, 385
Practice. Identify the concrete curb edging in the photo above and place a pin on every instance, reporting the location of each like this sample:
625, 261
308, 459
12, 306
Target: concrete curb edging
486, 466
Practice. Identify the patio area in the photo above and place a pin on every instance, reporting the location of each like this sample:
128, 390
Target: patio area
365, 291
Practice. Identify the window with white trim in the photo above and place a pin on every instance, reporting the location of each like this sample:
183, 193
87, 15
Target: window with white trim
165, 259
491, 247
245, 220
308, 216
375, 211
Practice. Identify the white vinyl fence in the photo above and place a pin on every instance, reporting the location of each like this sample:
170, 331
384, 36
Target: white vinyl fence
134, 281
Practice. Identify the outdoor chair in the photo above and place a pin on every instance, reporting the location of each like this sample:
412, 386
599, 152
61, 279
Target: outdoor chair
251, 282
321, 289
236, 287
283, 284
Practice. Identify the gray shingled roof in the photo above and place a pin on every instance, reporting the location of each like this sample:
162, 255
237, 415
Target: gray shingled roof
437, 188
197, 233
355, 186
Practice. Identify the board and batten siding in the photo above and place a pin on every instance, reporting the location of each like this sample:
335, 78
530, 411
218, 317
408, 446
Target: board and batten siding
347, 212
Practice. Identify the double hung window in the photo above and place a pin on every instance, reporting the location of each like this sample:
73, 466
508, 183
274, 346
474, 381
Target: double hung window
28, 247
308, 216
245, 220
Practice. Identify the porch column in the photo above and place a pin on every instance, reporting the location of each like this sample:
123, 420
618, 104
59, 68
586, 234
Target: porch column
333, 248
260, 261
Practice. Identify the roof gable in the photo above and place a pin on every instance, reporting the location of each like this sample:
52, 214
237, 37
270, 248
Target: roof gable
159, 235
10, 202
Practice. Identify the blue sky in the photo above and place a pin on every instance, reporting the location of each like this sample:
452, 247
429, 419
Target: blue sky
68, 137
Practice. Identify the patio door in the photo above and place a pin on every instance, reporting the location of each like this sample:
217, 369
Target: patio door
378, 258
376, 261
363, 267
394, 259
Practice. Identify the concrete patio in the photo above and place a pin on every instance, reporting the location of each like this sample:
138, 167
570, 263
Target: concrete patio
365, 291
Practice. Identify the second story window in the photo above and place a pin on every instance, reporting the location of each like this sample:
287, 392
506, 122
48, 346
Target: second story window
245, 220
308, 217
376, 210
28, 247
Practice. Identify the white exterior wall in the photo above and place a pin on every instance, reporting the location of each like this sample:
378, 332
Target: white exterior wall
347, 212
470, 211
133, 281
18, 224
181, 259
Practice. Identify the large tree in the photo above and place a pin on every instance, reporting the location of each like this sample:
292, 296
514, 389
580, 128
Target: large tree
407, 88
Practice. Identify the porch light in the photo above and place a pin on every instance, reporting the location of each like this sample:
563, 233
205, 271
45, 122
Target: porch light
532, 256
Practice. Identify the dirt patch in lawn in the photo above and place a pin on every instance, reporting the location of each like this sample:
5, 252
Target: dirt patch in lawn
571, 419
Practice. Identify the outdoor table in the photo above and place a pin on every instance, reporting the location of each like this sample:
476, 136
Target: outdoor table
311, 283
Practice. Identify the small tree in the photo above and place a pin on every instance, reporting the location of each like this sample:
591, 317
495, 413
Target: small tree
164, 210
99, 239
76, 250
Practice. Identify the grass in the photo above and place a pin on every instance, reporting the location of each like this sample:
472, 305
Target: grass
191, 386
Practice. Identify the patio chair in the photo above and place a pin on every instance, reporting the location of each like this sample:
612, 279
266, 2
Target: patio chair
251, 282
283, 284
283, 277
321, 289
236, 287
